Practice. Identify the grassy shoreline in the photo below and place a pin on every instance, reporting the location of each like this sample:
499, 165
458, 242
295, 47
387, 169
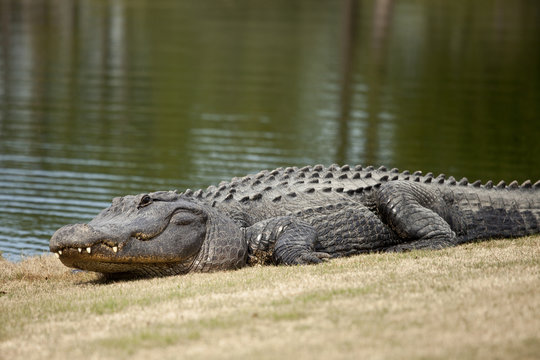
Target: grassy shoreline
478, 300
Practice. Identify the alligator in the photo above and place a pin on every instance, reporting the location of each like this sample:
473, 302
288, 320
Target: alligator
295, 216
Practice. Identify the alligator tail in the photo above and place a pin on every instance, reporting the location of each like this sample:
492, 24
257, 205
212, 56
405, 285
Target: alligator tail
502, 211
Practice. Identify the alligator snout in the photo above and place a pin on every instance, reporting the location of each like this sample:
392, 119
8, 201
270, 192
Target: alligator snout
81, 237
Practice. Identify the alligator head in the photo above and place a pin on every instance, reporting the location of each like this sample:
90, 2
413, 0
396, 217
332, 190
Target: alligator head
155, 234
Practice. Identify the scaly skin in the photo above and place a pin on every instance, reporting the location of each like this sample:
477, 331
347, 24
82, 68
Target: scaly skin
294, 216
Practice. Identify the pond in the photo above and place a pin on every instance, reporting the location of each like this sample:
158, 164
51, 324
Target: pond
106, 98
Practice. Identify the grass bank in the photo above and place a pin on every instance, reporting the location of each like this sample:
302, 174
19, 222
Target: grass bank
475, 301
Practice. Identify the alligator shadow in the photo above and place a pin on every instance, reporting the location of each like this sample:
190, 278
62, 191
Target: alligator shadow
105, 279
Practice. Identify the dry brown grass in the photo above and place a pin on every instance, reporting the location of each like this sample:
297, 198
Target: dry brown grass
474, 301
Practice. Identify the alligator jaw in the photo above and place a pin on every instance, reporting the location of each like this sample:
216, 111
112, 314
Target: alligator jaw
102, 248
82, 246
107, 259
83, 241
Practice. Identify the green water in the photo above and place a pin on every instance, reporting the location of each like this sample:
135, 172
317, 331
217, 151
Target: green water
104, 98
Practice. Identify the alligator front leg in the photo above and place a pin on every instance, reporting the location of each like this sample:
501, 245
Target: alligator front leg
414, 213
283, 240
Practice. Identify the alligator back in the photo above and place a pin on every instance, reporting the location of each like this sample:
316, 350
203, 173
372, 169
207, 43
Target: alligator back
474, 210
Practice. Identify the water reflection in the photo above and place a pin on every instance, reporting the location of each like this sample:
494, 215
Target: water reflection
103, 98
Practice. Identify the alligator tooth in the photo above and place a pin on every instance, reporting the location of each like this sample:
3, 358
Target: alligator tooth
57, 255
59, 252
88, 250
115, 248
80, 250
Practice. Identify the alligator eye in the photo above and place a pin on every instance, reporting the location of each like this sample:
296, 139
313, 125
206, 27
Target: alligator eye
146, 200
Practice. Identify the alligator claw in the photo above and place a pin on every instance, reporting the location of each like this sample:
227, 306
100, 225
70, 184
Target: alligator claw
323, 256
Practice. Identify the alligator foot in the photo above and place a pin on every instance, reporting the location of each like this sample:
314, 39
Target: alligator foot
283, 240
